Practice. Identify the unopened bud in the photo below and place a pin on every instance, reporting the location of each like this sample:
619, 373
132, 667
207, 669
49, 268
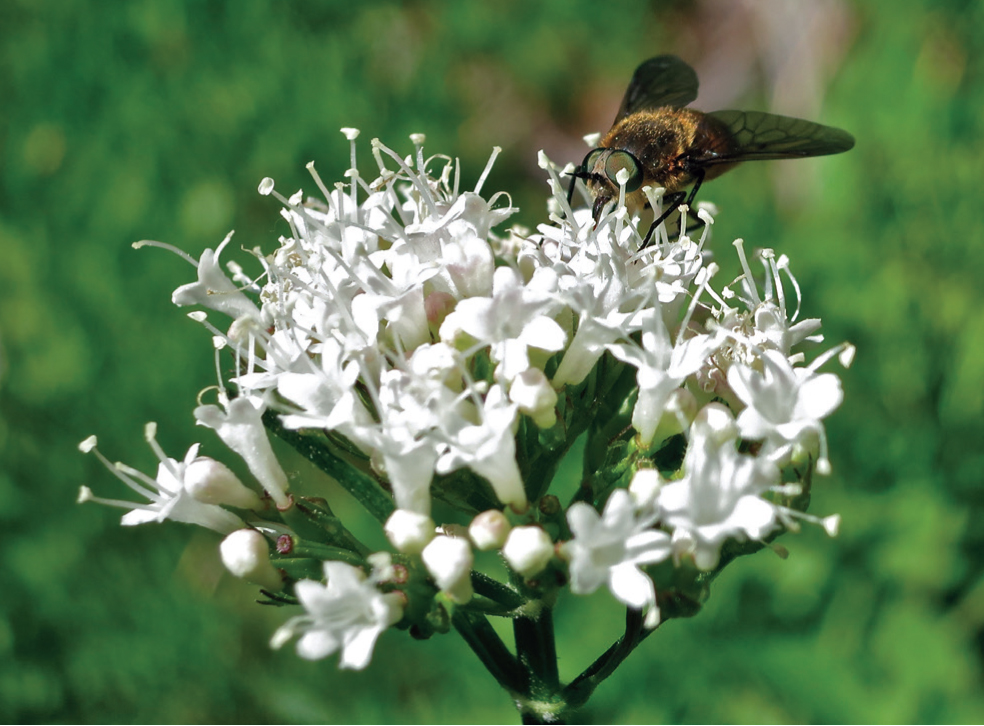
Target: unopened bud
449, 560
644, 487
382, 566
409, 532
437, 305
528, 550
534, 395
678, 415
212, 482
716, 422
489, 530
246, 554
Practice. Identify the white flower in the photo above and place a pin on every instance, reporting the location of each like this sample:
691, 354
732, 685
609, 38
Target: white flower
240, 427
410, 410
644, 488
212, 482
325, 397
167, 496
214, 289
532, 393
765, 324
719, 496
609, 549
598, 300
515, 319
468, 265
347, 614
488, 448
785, 406
662, 368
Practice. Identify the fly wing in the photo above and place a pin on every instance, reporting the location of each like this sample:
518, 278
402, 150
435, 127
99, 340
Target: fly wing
753, 135
661, 81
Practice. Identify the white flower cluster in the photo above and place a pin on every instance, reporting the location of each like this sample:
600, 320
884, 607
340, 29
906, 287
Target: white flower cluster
394, 317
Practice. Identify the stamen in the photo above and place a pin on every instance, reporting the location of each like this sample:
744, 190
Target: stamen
422, 189
783, 264
749, 281
321, 185
165, 246
496, 150
702, 283
556, 191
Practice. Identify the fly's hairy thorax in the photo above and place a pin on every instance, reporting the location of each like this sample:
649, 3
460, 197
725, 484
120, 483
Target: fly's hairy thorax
661, 140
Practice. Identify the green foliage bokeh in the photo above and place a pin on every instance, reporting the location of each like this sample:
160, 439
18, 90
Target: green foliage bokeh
157, 119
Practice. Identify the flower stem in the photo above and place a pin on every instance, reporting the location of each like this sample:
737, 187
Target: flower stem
580, 689
543, 701
494, 590
537, 650
486, 644
315, 449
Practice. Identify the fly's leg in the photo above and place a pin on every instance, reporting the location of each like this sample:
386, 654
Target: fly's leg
673, 201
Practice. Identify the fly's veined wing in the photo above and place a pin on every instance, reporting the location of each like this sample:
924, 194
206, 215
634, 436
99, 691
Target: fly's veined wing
754, 135
661, 81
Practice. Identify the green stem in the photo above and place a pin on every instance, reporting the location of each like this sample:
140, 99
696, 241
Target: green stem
315, 449
537, 651
318, 551
495, 590
488, 646
485, 606
310, 522
580, 689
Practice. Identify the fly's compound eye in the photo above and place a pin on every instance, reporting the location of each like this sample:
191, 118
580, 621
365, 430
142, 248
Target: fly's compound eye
618, 160
588, 165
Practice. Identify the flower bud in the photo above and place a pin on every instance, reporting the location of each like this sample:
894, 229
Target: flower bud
409, 532
437, 306
212, 482
449, 560
489, 530
246, 554
715, 422
534, 395
528, 550
681, 408
645, 487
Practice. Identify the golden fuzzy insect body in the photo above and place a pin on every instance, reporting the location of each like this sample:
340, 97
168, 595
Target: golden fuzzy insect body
655, 141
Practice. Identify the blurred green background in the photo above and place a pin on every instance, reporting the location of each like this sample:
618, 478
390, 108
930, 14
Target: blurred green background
157, 119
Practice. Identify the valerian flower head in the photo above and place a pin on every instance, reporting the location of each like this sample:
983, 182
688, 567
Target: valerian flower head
407, 345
